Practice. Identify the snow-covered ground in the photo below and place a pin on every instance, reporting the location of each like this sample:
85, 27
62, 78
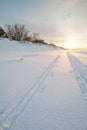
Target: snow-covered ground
42, 88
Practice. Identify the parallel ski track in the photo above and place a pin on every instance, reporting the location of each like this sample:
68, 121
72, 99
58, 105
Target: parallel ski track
16, 111
80, 72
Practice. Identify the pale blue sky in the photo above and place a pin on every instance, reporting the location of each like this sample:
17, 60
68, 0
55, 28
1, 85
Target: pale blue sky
54, 19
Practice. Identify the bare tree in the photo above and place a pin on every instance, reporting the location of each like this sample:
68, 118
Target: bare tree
16, 32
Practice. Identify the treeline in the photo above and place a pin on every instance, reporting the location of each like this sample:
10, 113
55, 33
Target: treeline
19, 32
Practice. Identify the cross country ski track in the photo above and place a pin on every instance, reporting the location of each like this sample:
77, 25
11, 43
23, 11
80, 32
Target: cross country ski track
80, 70
10, 118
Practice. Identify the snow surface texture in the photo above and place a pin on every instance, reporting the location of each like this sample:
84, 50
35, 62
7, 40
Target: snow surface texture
42, 88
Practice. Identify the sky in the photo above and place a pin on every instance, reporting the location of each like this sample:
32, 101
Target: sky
55, 20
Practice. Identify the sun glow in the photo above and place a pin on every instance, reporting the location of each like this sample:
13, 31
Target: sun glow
69, 43
72, 44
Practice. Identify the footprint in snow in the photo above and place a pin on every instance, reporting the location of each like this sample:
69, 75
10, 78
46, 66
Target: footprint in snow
21, 58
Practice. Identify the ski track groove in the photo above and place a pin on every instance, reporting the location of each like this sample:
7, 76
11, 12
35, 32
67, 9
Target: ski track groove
80, 71
16, 111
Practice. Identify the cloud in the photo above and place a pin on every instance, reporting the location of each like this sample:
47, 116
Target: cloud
81, 3
68, 16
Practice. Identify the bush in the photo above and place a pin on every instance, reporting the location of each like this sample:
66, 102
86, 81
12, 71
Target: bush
16, 32
35, 38
20, 33
2, 32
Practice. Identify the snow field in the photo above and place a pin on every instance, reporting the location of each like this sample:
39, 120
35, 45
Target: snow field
42, 88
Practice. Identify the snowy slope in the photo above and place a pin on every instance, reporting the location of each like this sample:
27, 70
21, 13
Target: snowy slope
11, 46
42, 88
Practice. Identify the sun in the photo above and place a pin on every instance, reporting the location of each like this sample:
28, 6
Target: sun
69, 45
